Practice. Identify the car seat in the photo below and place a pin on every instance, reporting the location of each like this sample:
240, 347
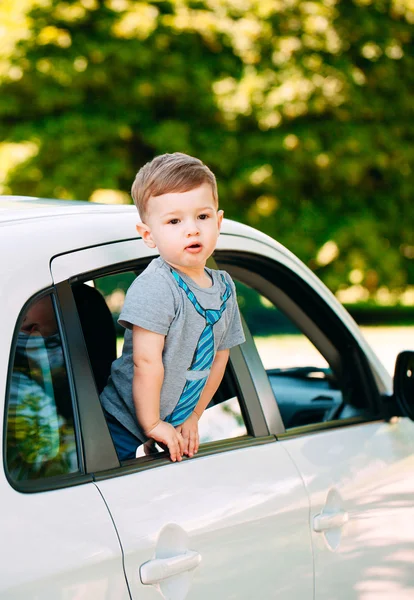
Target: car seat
98, 330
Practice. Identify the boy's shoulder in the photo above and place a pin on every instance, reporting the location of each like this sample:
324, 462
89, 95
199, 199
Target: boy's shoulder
151, 301
154, 278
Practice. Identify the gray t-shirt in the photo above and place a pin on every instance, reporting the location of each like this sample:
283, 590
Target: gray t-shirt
156, 302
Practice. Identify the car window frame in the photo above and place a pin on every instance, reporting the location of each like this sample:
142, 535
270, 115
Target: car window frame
92, 421
251, 262
248, 373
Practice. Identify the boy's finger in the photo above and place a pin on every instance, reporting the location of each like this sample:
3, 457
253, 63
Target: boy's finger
192, 444
181, 443
174, 451
179, 449
186, 444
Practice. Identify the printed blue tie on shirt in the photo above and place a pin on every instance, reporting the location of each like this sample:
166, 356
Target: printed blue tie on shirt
203, 358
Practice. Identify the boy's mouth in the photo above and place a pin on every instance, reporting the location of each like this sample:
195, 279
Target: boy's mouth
196, 247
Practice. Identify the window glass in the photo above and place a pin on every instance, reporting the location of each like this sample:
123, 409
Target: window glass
223, 417
222, 421
279, 341
40, 432
303, 383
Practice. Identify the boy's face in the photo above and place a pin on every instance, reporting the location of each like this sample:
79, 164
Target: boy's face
184, 226
40, 319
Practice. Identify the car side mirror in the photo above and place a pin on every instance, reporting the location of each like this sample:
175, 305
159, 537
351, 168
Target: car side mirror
404, 384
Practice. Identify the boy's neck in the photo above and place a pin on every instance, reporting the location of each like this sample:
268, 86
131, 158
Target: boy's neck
198, 274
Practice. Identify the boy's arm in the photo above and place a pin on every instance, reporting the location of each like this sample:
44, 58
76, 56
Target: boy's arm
146, 389
189, 429
214, 379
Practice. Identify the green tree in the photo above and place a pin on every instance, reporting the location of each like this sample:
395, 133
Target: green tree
304, 110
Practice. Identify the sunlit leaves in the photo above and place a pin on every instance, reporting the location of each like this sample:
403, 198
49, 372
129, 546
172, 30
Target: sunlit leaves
137, 22
304, 109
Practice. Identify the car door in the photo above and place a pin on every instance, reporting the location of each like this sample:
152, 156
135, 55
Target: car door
357, 467
57, 541
361, 486
231, 522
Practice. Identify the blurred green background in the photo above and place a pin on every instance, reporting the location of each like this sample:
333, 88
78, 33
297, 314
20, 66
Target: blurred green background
303, 109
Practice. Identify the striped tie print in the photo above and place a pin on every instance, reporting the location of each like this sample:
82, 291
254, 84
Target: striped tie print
203, 356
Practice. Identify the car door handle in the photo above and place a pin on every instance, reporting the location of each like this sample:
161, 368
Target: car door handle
328, 520
158, 569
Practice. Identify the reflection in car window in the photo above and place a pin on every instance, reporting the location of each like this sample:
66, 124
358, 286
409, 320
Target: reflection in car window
303, 383
40, 433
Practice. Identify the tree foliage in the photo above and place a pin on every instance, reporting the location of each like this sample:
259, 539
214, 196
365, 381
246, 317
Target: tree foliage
303, 109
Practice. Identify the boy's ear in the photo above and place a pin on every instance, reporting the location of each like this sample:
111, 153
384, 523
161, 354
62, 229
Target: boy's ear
220, 215
145, 232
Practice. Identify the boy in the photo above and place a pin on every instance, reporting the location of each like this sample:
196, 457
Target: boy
181, 318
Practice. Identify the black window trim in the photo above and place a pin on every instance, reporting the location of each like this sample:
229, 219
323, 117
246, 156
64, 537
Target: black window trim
99, 451
207, 449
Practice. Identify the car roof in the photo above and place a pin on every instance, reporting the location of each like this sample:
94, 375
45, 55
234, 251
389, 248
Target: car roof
46, 227
25, 210
17, 208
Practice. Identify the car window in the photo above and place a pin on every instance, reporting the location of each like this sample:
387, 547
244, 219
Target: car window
222, 419
40, 436
305, 386
281, 344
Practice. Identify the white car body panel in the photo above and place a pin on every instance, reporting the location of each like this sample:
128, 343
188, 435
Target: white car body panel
371, 468
245, 512
59, 545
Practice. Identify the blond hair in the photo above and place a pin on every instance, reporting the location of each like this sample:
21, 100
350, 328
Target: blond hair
169, 173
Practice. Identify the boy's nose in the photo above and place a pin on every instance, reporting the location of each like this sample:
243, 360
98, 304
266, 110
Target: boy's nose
192, 229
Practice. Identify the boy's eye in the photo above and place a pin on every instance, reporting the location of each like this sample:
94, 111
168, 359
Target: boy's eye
203, 217
173, 221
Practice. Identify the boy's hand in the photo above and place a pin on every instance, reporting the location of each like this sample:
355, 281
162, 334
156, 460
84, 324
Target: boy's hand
166, 435
189, 431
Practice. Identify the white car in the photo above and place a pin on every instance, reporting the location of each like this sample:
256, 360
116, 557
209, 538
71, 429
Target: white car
303, 487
